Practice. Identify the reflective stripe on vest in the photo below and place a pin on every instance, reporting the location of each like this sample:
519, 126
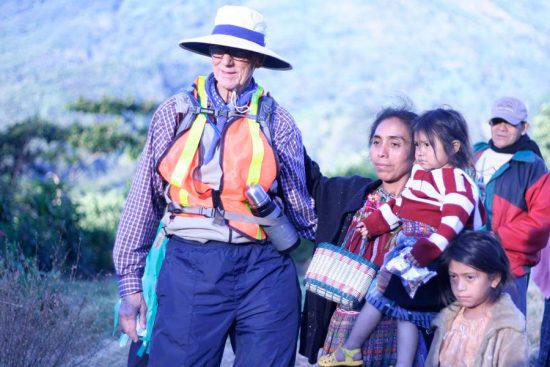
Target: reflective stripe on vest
257, 147
247, 158
184, 162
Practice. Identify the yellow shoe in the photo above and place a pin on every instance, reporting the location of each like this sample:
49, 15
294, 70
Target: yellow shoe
330, 359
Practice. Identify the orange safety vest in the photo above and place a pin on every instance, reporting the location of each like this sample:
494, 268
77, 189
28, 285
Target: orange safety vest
246, 159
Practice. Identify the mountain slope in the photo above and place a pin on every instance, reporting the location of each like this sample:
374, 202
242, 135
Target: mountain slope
350, 58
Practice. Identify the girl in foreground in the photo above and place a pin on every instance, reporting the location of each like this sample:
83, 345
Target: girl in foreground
482, 327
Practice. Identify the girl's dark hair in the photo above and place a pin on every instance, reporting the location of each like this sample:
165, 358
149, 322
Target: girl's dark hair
481, 250
448, 125
403, 113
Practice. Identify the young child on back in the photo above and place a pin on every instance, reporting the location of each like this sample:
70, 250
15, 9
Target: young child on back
482, 327
438, 201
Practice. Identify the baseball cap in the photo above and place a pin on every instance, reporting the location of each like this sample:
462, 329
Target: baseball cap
510, 109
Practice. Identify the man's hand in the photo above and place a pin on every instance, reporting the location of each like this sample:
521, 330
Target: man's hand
131, 306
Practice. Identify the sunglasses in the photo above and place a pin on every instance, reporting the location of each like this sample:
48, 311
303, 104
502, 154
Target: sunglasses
236, 54
497, 121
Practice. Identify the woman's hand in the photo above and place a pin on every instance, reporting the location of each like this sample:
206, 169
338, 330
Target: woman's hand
362, 229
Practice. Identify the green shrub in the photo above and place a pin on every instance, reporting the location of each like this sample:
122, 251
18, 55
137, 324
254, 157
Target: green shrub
43, 220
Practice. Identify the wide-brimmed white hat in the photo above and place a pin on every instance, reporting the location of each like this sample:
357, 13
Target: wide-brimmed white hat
238, 27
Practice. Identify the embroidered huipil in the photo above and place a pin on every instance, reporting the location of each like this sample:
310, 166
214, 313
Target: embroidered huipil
145, 203
375, 248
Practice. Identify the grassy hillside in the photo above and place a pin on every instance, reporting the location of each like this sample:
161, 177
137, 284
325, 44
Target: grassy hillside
350, 58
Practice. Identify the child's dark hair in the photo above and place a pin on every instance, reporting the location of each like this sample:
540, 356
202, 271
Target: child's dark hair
481, 250
448, 125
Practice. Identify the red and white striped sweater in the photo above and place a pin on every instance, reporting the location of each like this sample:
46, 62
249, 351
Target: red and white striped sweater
445, 198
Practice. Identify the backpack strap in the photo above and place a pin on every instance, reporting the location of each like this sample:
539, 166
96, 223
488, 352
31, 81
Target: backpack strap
264, 116
265, 119
187, 108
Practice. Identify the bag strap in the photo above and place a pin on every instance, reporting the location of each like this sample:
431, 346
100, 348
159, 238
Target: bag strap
363, 246
347, 237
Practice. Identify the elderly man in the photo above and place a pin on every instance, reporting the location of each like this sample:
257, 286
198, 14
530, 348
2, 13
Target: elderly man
516, 187
221, 274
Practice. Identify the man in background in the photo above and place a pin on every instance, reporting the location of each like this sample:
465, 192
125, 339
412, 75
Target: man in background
515, 184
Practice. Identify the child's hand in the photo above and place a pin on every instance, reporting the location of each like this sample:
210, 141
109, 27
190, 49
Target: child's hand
362, 229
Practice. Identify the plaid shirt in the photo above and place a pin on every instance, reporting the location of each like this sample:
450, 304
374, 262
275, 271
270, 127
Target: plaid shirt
145, 203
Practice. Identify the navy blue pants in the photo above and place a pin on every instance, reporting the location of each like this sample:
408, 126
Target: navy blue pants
133, 359
207, 292
544, 351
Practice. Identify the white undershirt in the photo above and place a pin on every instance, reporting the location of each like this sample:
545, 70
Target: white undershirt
489, 162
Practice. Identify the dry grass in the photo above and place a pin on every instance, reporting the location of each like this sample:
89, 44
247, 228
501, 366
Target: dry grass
46, 320
42, 321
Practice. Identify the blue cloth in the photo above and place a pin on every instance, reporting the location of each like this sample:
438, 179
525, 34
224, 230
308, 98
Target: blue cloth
390, 307
517, 288
242, 100
207, 292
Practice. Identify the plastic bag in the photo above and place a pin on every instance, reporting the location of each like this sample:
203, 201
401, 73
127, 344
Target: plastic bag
411, 276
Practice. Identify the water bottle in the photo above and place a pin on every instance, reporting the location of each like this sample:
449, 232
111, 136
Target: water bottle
282, 235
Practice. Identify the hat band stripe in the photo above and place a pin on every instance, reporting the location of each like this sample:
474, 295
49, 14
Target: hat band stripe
240, 32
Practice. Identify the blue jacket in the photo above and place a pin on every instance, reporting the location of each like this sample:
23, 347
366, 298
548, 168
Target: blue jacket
517, 201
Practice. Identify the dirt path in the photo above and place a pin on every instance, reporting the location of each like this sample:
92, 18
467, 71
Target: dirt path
112, 355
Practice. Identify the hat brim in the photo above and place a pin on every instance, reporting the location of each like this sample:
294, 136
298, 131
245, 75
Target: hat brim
506, 117
201, 46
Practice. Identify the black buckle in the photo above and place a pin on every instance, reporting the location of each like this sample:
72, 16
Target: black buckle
207, 111
175, 209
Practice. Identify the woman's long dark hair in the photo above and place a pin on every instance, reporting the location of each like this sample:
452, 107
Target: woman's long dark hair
448, 125
481, 250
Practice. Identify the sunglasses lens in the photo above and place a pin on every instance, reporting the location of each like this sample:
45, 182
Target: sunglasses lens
217, 51
235, 53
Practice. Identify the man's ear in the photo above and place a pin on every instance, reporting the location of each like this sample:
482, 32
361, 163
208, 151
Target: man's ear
524, 127
259, 61
456, 145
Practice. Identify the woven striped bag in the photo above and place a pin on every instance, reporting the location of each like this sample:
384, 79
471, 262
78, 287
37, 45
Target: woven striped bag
340, 275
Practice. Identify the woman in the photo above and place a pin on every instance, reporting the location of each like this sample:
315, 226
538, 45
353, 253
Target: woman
340, 203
